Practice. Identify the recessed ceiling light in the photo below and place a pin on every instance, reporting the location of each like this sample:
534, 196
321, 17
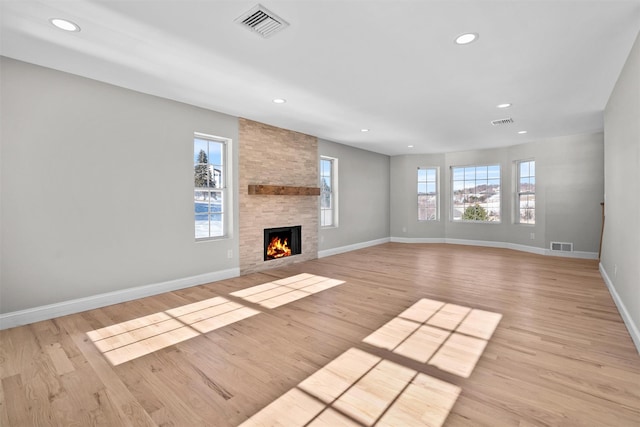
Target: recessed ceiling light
364, 130
279, 101
466, 38
522, 132
409, 146
64, 24
505, 105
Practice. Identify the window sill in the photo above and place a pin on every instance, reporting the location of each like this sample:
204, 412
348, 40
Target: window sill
477, 222
211, 239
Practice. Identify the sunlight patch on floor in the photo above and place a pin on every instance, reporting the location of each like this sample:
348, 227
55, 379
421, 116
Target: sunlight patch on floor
283, 291
138, 337
360, 389
448, 336
144, 335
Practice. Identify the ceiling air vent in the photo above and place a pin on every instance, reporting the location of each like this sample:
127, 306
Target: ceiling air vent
262, 21
562, 247
506, 121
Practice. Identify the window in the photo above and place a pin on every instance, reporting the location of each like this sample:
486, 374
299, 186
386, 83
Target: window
209, 195
476, 193
526, 203
427, 194
328, 194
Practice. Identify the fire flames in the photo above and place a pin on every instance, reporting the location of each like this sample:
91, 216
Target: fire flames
278, 248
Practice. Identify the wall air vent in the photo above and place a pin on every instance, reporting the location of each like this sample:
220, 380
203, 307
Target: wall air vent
506, 121
262, 21
561, 247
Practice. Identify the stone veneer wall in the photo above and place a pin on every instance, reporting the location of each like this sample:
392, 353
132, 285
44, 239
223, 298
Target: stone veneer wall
274, 156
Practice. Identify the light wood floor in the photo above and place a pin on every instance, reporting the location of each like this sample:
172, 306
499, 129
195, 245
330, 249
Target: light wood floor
559, 354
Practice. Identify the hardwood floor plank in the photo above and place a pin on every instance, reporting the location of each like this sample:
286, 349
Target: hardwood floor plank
60, 360
130, 412
367, 400
173, 394
16, 403
427, 401
4, 416
423, 343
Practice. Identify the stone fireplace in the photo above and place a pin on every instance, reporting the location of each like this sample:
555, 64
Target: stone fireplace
263, 149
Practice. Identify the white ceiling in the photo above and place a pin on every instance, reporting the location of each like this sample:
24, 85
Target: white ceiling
390, 66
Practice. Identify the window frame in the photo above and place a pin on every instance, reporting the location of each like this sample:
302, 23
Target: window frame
333, 194
475, 180
222, 186
436, 182
519, 193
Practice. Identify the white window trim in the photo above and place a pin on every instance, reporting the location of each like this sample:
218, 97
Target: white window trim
226, 187
461, 221
437, 169
518, 193
334, 193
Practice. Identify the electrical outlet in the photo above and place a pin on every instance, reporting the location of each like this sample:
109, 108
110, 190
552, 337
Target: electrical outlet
229, 253
404, 229
532, 236
615, 270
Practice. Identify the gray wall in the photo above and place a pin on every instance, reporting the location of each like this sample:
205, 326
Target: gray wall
96, 188
573, 170
621, 242
404, 202
363, 191
569, 189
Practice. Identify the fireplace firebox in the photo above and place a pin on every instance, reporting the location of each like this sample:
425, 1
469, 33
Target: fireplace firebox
282, 242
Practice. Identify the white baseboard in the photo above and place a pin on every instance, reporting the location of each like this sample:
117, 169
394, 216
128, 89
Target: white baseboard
349, 248
503, 245
622, 309
525, 248
45, 312
485, 243
417, 240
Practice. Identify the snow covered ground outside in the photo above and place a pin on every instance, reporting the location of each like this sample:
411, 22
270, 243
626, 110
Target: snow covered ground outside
206, 224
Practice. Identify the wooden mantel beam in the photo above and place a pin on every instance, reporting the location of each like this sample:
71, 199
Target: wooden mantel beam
283, 190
